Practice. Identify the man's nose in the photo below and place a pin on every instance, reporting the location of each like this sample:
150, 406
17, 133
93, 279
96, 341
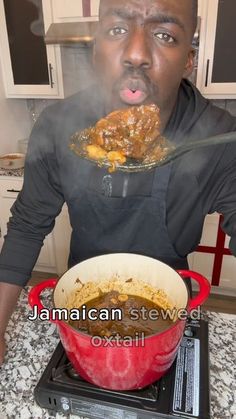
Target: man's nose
138, 50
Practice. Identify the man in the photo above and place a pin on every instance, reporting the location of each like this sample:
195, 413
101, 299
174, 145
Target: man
142, 55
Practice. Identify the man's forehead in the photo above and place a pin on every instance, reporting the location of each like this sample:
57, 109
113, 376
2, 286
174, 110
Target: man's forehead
145, 7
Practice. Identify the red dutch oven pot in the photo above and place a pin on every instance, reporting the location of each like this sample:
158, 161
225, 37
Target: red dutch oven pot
116, 366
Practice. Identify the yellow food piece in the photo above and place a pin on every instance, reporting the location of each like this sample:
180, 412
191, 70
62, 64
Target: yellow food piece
114, 300
116, 156
123, 297
96, 152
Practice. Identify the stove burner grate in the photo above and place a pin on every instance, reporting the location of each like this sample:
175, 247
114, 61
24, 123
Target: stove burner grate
66, 374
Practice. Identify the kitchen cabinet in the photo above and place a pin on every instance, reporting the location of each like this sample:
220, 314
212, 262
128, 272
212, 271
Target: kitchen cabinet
213, 258
216, 76
9, 189
30, 68
74, 10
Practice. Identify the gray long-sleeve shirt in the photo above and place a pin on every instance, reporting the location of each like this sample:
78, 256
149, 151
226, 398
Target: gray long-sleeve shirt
201, 182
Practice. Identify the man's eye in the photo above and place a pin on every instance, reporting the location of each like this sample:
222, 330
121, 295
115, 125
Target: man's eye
165, 37
117, 31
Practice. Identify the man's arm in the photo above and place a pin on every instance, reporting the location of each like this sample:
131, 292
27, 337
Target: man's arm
8, 298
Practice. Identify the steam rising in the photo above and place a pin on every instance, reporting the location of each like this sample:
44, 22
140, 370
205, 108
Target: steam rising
37, 26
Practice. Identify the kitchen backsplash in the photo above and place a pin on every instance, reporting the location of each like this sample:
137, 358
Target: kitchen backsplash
77, 75
15, 122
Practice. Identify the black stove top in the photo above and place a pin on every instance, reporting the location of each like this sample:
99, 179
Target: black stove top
182, 393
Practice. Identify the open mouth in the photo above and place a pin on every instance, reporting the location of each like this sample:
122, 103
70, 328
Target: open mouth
133, 97
133, 91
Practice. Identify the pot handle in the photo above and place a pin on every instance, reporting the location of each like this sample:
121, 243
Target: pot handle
204, 287
35, 292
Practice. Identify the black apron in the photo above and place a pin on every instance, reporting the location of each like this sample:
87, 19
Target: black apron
110, 214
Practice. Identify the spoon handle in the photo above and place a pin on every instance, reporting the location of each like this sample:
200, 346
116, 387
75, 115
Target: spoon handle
179, 151
171, 154
218, 139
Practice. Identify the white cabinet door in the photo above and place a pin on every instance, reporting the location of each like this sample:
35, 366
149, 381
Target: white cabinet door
228, 273
30, 69
9, 190
75, 10
8, 193
203, 262
228, 270
217, 63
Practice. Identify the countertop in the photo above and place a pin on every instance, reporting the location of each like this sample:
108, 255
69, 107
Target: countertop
12, 173
31, 345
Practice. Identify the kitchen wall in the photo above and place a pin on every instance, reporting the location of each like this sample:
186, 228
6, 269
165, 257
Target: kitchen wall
17, 116
76, 68
15, 121
77, 75
229, 105
77, 72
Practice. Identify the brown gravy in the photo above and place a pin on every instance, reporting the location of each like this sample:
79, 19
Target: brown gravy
132, 323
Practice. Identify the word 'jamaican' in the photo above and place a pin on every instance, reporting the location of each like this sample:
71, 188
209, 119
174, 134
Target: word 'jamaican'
81, 313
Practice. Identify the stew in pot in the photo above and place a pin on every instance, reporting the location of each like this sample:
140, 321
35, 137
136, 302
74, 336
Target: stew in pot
138, 316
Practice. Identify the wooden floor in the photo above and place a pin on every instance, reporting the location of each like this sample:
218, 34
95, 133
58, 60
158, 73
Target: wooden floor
217, 303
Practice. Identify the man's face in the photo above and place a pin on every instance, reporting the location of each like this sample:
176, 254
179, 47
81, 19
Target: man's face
143, 50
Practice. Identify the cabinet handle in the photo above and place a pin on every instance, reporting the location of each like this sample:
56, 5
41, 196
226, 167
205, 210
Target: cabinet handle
50, 75
12, 190
207, 72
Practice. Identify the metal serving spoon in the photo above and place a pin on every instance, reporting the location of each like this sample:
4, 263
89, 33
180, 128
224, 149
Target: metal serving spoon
132, 165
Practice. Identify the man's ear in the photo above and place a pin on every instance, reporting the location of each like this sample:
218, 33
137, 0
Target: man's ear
189, 64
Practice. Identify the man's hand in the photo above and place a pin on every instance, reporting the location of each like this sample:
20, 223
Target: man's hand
2, 349
9, 294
